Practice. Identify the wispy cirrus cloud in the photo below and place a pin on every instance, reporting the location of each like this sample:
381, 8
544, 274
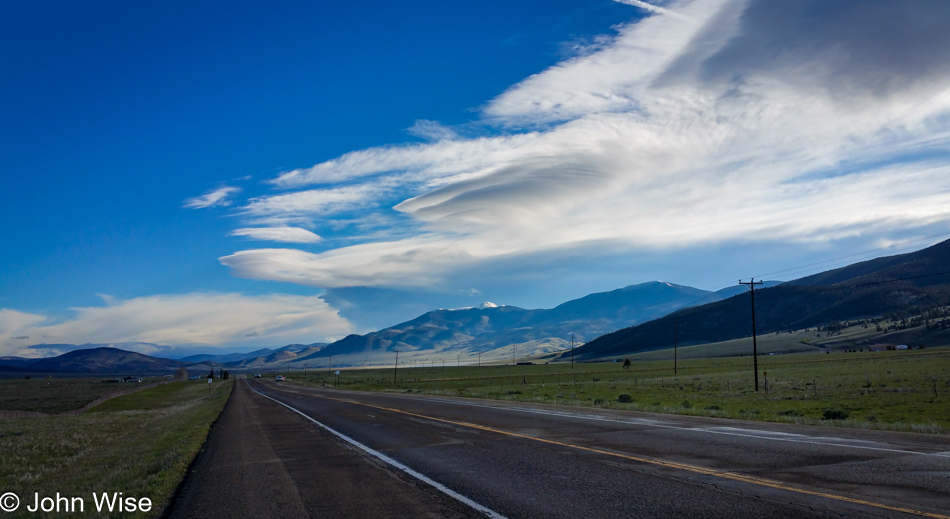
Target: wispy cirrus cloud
281, 234
734, 120
183, 320
218, 198
313, 202
650, 7
432, 131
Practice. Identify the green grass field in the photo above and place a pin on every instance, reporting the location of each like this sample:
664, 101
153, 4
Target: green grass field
139, 444
897, 390
54, 395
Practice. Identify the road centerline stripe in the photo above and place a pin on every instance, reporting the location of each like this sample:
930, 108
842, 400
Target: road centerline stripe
663, 463
386, 459
644, 423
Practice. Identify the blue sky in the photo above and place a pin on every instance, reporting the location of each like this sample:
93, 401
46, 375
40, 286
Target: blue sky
240, 174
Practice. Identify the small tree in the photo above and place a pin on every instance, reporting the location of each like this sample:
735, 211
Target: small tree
626, 364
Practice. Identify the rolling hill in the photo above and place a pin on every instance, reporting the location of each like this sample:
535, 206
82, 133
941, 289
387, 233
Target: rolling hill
901, 283
263, 355
98, 360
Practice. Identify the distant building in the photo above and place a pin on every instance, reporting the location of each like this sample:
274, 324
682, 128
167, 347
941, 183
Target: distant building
900, 347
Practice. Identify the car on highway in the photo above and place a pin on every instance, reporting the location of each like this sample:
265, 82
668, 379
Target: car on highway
257, 375
280, 378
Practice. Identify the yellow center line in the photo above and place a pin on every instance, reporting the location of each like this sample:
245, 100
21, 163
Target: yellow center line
669, 464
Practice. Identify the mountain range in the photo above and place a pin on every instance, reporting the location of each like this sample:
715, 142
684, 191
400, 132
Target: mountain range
100, 359
500, 331
257, 357
630, 319
494, 331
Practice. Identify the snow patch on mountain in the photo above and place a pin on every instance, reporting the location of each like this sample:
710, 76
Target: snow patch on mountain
483, 306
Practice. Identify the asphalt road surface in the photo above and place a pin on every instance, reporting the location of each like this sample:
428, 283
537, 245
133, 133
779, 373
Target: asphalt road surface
281, 450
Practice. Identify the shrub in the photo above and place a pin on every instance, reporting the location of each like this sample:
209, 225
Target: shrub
687, 404
835, 414
625, 398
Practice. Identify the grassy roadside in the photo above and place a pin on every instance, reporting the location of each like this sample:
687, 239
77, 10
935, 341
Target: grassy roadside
139, 444
56, 395
895, 390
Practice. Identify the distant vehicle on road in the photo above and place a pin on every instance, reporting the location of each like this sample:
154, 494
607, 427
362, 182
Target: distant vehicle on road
257, 375
280, 378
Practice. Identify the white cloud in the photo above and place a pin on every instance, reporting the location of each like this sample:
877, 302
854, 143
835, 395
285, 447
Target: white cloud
649, 7
432, 131
282, 234
313, 202
218, 197
409, 262
428, 161
738, 120
197, 319
14, 324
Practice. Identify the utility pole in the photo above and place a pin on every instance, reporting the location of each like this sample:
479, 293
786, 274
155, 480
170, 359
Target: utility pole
755, 353
330, 365
676, 325
572, 352
395, 367
479, 359
458, 360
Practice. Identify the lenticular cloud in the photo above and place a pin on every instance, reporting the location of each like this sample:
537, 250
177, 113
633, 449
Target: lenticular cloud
707, 121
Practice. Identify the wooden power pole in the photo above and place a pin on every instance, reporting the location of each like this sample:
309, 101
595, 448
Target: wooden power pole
572, 352
395, 367
755, 353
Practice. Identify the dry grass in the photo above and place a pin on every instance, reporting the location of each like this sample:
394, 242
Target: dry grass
909, 390
139, 444
54, 395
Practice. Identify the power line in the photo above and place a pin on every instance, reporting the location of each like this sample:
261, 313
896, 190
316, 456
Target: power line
906, 246
736, 301
837, 286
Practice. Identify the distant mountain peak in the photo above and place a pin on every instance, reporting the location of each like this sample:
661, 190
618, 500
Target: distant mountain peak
484, 306
650, 284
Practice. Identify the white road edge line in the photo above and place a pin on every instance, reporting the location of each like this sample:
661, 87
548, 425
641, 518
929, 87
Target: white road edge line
421, 477
596, 418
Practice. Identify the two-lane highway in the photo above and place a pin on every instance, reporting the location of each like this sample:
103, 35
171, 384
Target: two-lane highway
518, 460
